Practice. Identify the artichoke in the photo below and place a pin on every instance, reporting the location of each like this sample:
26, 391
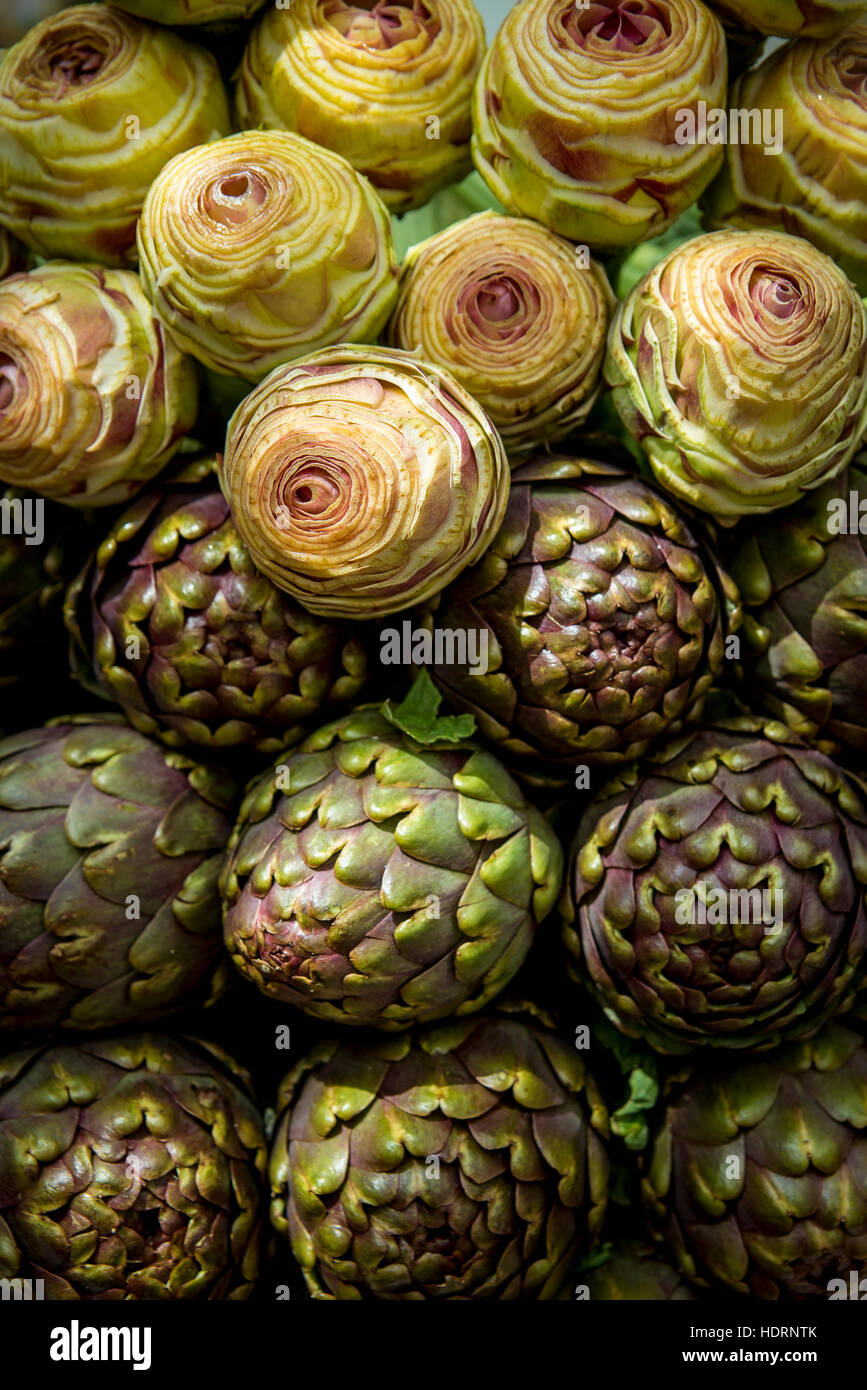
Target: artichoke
196, 646
716, 896
130, 1168
788, 18
12, 256
817, 186
377, 879
603, 615
739, 363
804, 585
515, 316
576, 111
257, 249
466, 1162
363, 480
634, 1272
110, 851
94, 400
92, 105
387, 86
209, 12
757, 1176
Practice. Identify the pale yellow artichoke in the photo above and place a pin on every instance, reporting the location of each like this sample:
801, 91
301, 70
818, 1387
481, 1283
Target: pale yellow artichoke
93, 398
257, 249
363, 480
387, 86
792, 18
515, 315
92, 104
576, 114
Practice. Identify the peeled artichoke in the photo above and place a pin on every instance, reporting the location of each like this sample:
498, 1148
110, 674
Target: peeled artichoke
363, 480
517, 318
93, 103
788, 18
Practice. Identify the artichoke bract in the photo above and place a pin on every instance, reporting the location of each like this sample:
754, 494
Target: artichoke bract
739, 363
466, 1162
110, 852
757, 1175
260, 248
387, 86
635, 1272
373, 879
804, 586
130, 1168
792, 18
92, 104
603, 616
575, 110
192, 11
94, 399
176, 624
516, 317
363, 480
817, 186
716, 894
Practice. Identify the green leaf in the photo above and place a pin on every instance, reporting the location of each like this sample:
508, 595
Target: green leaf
417, 715
625, 271
450, 205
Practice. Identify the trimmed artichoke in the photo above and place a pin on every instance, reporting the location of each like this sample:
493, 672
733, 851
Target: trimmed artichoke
716, 895
110, 850
94, 399
376, 880
604, 616
817, 186
192, 11
130, 1168
792, 18
92, 105
467, 1162
196, 646
804, 585
739, 363
757, 1176
635, 1272
387, 86
260, 248
576, 108
515, 316
363, 480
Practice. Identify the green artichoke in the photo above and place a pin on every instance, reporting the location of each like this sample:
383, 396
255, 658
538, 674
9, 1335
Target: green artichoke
635, 1272
788, 18
176, 624
94, 399
757, 1176
379, 879
110, 851
466, 1162
260, 248
739, 363
363, 480
604, 616
816, 187
577, 108
804, 585
516, 317
716, 896
387, 86
130, 1168
93, 103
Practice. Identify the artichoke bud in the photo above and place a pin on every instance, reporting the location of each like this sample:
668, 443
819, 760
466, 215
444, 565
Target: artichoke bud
791, 18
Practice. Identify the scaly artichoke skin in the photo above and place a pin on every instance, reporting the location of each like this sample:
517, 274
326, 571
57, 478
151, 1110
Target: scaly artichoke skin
732, 808
605, 615
374, 881
792, 18
130, 1168
386, 86
508, 309
634, 1272
560, 96
739, 363
208, 12
817, 186
94, 399
363, 480
756, 1176
258, 249
177, 625
110, 852
464, 1162
804, 586
70, 92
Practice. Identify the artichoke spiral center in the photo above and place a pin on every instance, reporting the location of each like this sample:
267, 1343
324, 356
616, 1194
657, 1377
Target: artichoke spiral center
311, 493
775, 292
10, 378
74, 63
235, 198
623, 27
380, 25
853, 75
